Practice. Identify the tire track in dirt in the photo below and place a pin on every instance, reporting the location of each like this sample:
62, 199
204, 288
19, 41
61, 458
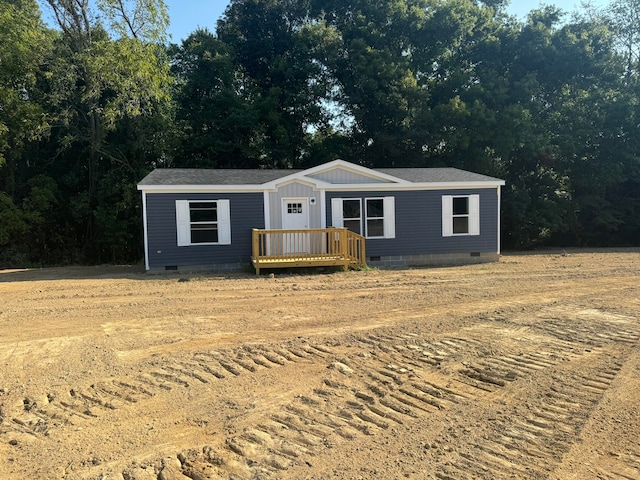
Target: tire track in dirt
36, 417
380, 379
532, 443
396, 379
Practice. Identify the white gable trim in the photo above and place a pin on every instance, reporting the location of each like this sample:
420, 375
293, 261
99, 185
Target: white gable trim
304, 176
352, 167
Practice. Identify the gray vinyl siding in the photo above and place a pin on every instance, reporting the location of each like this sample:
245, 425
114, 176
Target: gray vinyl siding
343, 176
246, 212
418, 217
294, 190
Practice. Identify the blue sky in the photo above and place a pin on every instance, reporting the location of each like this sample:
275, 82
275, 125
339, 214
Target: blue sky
187, 15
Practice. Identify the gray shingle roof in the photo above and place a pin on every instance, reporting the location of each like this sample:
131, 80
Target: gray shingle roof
200, 176
203, 176
435, 175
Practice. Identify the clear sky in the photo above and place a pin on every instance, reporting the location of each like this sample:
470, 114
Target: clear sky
187, 15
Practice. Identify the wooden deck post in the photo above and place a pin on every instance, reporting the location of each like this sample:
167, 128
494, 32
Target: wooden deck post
335, 247
344, 249
255, 248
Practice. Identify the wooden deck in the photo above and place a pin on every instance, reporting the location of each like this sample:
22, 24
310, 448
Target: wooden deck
321, 247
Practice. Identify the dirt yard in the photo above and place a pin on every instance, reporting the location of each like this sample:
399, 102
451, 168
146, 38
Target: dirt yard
528, 368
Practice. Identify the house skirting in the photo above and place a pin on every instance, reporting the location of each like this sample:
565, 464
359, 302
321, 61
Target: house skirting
432, 259
213, 267
391, 261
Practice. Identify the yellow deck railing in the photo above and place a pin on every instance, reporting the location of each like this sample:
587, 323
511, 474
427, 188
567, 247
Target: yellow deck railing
307, 248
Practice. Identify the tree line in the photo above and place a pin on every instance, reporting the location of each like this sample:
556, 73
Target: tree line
90, 105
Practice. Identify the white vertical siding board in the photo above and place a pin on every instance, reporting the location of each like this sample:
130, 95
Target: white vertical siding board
267, 211
323, 209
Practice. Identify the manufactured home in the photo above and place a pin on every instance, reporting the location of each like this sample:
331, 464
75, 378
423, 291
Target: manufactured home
337, 213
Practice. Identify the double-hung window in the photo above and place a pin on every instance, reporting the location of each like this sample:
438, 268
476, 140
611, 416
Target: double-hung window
460, 215
374, 217
370, 217
352, 214
203, 222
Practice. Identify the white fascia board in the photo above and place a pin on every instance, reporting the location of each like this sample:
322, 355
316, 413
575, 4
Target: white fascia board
413, 186
316, 184
201, 188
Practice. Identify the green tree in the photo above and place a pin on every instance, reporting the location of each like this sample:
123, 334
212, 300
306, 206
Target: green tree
96, 86
24, 43
624, 18
215, 108
277, 49
24, 46
145, 20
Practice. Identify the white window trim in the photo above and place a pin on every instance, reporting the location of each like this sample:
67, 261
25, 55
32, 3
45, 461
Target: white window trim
473, 215
388, 219
183, 223
342, 219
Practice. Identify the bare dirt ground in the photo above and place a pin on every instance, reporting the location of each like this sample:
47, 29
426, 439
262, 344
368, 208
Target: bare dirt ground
528, 368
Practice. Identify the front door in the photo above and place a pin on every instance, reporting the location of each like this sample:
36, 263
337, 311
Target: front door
295, 216
295, 213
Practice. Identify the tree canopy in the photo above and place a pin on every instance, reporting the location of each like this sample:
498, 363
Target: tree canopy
550, 103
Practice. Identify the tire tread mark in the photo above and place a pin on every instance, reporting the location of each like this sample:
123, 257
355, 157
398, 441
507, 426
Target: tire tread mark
169, 378
151, 381
184, 370
211, 371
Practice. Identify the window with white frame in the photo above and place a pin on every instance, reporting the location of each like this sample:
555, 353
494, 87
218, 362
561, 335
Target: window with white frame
376, 220
203, 222
374, 217
460, 215
352, 214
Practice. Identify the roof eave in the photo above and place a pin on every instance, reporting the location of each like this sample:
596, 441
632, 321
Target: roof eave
272, 186
416, 186
200, 188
